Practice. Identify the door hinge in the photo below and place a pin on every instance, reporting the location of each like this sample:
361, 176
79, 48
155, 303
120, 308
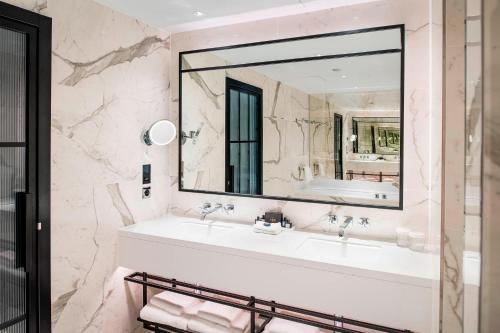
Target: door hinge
39, 226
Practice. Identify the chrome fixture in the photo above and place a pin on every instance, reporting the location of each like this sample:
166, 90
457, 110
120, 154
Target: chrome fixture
363, 221
192, 135
229, 208
207, 209
347, 222
332, 218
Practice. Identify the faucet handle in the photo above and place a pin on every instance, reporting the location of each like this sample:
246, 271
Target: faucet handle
206, 205
363, 221
229, 208
332, 218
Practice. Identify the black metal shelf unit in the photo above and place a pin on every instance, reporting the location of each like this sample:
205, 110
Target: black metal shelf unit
267, 310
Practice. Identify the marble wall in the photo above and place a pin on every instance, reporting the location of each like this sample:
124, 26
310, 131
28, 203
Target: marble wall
110, 82
490, 280
453, 226
422, 112
423, 159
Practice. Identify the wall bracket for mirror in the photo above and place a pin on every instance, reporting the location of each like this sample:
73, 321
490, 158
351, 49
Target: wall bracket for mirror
192, 135
161, 133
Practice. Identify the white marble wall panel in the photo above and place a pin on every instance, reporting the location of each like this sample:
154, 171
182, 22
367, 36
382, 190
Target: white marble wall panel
422, 160
110, 82
490, 274
453, 163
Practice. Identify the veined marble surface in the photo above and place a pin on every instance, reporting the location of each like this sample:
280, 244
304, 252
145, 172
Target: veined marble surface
358, 104
285, 129
422, 113
422, 157
490, 301
110, 81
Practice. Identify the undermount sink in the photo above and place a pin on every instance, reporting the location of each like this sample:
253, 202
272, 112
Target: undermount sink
331, 250
202, 229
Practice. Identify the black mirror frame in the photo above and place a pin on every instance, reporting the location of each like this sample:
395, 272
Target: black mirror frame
402, 50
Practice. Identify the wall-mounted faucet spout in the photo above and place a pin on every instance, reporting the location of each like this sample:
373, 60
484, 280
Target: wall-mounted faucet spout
347, 222
207, 209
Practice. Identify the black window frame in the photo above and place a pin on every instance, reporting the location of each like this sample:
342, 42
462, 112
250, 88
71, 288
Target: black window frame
242, 86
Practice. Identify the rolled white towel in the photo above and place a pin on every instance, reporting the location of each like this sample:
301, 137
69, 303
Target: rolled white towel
308, 175
200, 325
153, 314
176, 304
278, 325
219, 313
321, 170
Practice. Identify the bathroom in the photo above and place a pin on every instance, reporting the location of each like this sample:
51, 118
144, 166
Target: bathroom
303, 166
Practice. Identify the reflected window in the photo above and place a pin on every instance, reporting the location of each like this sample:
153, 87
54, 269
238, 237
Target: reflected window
243, 138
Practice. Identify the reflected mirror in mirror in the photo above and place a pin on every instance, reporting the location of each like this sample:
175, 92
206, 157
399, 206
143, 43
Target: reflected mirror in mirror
313, 119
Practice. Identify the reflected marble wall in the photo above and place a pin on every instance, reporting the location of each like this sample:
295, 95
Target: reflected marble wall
110, 82
349, 105
285, 128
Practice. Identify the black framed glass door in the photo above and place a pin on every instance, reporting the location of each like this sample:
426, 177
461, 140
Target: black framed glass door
24, 194
16, 166
243, 138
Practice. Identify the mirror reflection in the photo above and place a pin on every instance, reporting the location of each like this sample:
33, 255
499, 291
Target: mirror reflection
316, 128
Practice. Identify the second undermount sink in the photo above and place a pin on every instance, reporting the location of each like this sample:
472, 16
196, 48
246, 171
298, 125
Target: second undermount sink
331, 251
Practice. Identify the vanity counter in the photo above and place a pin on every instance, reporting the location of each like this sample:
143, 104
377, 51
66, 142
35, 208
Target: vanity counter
372, 259
367, 280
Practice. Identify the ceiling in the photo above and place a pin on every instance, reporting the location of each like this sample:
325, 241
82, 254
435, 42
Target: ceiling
355, 74
184, 15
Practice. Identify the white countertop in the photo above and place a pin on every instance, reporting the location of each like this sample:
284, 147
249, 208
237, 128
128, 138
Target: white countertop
373, 259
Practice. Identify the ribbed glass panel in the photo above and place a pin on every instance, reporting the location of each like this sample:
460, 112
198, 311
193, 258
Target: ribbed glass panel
12, 86
12, 180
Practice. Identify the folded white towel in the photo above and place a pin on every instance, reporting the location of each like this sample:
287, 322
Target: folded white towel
242, 322
278, 325
219, 313
157, 315
200, 325
176, 304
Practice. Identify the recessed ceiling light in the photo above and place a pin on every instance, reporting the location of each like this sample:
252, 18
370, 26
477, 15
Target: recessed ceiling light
198, 13
344, 76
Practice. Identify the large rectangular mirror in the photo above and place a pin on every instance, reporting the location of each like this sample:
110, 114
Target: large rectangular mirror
316, 119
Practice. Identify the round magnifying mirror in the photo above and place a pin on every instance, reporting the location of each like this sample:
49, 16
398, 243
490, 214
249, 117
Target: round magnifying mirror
161, 133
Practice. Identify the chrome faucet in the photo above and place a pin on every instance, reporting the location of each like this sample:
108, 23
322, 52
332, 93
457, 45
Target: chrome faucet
207, 209
347, 222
